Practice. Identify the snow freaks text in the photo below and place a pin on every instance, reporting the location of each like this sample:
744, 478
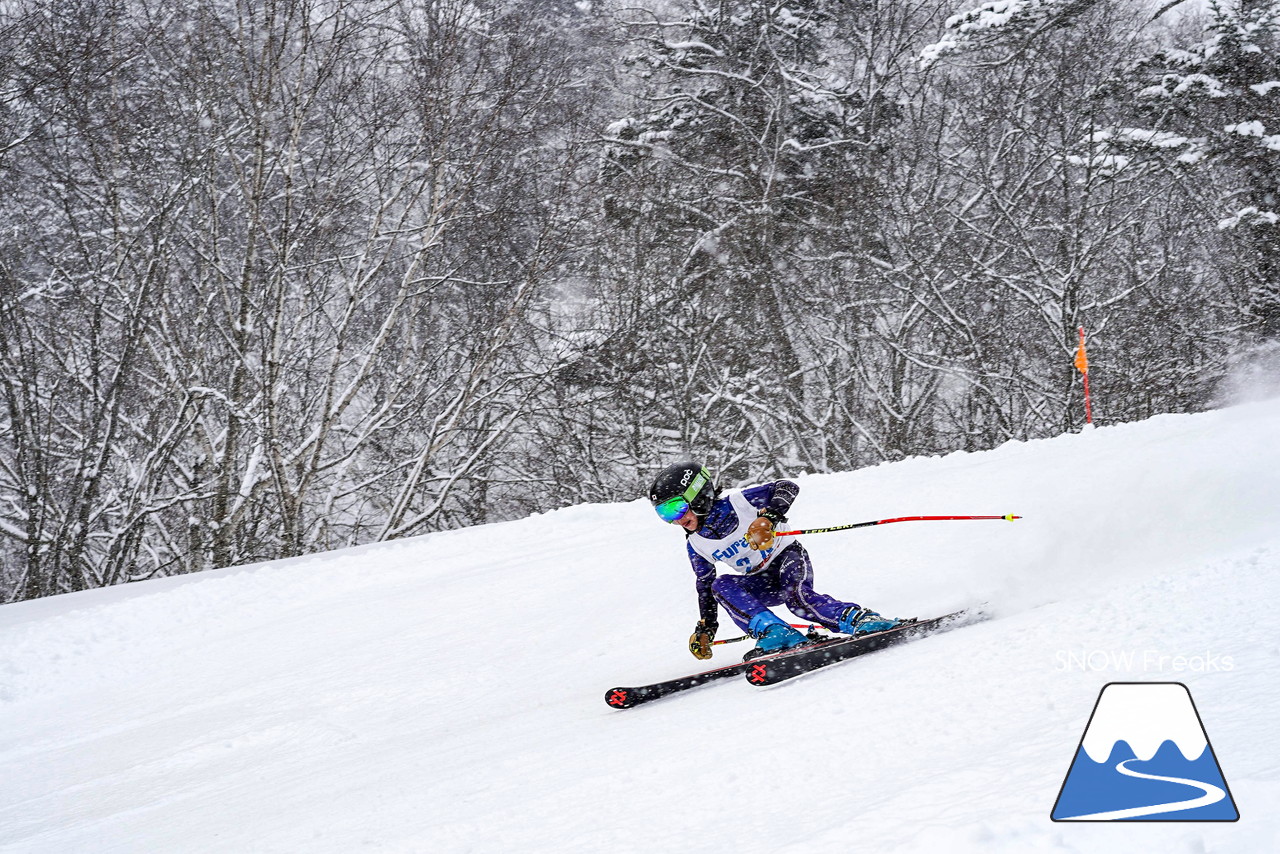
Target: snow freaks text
1145, 661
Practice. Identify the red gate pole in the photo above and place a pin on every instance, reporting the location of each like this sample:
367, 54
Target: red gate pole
1082, 365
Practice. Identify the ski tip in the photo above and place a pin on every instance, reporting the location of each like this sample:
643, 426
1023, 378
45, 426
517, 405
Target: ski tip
618, 698
1011, 517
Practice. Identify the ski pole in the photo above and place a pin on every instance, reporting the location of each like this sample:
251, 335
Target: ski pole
809, 626
1010, 517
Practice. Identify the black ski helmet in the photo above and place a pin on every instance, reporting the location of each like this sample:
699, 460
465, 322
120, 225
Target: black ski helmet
679, 481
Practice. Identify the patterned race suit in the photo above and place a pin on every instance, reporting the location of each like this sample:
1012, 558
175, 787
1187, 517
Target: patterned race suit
782, 575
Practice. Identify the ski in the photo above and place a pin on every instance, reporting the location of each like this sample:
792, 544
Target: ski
629, 697
769, 669
795, 662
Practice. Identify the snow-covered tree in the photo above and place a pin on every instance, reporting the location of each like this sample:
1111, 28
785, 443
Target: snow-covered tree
1216, 105
270, 278
1213, 106
749, 151
1126, 244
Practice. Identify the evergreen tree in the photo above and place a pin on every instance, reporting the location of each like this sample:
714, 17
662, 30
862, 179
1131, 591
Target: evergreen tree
1217, 104
748, 150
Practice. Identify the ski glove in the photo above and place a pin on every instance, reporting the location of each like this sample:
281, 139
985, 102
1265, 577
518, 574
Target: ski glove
760, 533
700, 640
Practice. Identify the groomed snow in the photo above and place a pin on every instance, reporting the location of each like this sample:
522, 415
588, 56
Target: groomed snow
445, 694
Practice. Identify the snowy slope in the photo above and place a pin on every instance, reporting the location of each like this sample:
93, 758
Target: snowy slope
445, 694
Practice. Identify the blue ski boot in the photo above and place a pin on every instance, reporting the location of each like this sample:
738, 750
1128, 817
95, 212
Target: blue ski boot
864, 621
772, 635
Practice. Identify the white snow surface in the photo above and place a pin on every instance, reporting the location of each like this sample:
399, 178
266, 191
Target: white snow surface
446, 693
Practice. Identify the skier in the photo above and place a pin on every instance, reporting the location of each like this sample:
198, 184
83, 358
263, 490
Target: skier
738, 529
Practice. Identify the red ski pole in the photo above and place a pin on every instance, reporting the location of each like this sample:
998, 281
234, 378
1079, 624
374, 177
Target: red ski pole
1009, 517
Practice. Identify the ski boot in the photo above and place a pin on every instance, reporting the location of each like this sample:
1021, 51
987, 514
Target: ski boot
772, 635
863, 621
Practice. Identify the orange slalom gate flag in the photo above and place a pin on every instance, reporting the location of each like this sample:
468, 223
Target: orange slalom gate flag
1082, 359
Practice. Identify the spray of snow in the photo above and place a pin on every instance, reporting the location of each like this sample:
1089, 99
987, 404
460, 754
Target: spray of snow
1254, 375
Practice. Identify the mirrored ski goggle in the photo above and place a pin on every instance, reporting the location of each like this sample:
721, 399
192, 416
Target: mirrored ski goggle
673, 509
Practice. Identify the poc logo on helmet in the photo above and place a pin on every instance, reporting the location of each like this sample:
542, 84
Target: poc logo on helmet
688, 474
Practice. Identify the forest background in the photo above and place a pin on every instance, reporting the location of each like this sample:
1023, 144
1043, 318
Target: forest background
281, 276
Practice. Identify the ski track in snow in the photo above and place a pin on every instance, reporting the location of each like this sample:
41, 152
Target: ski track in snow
444, 694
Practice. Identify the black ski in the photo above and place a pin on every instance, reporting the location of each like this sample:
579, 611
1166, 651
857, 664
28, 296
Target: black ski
627, 697
773, 669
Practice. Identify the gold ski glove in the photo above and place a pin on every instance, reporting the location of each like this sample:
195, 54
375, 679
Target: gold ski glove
700, 640
760, 534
